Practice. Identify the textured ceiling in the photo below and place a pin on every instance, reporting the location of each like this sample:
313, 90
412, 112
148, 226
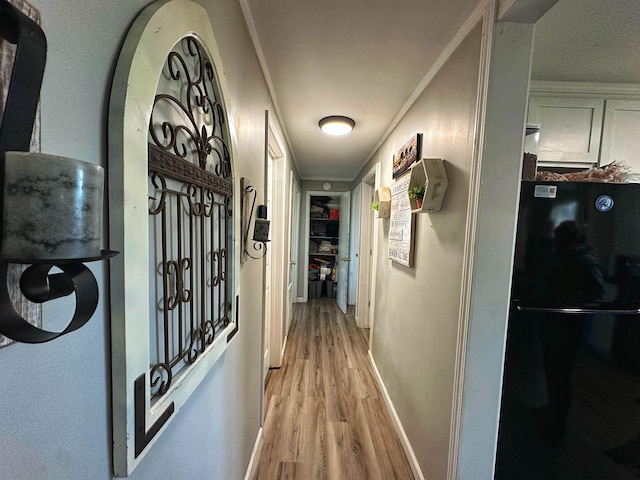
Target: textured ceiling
356, 58
589, 41
364, 59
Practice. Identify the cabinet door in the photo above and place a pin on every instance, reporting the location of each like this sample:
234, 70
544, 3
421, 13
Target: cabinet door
570, 130
621, 134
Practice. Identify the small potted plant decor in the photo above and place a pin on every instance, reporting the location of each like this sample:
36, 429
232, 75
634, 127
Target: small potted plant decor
417, 193
375, 206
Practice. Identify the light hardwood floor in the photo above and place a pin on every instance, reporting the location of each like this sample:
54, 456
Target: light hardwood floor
326, 418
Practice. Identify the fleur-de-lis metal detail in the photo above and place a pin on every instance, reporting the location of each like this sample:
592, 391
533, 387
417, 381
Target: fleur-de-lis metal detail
190, 195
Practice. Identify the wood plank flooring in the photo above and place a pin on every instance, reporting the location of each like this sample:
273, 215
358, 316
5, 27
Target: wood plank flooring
326, 418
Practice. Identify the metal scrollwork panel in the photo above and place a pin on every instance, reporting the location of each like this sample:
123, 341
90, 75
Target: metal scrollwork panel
189, 231
174, 292
188, 121
190, 228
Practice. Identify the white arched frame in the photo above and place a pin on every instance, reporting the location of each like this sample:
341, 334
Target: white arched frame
137, 422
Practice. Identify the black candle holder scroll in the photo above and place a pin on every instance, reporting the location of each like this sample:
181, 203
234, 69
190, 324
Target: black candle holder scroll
261, 224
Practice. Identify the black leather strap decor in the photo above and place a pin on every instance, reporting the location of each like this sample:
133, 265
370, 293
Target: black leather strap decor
26, 77
16, 129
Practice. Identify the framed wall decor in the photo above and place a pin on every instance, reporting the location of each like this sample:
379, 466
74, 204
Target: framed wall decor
407, 155
173, 194
402, 224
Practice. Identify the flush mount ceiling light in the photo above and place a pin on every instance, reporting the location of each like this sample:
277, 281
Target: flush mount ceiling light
336, 125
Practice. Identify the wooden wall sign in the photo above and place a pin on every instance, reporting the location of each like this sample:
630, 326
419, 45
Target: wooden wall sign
32, 312
401, 239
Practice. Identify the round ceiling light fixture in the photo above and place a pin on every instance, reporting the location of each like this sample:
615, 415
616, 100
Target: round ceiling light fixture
336, 125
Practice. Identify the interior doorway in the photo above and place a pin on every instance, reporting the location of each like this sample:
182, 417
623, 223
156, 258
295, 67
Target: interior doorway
276, 261
278, 248
294, 238
576, 419
354, 245
268, 303
365, 303
326, 243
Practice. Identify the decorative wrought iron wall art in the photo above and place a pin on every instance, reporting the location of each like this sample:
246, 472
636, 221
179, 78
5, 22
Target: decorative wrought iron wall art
176, 288
261, 224
190, 209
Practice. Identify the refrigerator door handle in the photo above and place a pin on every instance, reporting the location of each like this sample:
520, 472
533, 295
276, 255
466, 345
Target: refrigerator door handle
633, 311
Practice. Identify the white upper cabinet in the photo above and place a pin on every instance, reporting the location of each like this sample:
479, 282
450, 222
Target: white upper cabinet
570, 129
621, 134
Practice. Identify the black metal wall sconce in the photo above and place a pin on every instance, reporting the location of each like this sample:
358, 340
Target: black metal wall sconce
261, 224
51, 206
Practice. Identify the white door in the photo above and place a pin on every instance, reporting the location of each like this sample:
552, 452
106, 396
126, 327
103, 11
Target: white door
343, 252
294, 226
267, 276
354, 247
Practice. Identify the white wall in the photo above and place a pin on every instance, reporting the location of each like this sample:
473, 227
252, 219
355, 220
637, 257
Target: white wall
417, 309
55, 399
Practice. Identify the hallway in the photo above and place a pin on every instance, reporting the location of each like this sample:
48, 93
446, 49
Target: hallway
326, 417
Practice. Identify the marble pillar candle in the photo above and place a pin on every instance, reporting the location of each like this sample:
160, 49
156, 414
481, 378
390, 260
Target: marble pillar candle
52, 207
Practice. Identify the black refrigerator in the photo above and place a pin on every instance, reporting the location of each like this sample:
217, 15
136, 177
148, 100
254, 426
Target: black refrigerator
571, 391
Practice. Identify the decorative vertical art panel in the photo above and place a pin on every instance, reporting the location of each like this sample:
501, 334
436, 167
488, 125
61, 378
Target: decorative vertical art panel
32, 312
403, 223
172, 204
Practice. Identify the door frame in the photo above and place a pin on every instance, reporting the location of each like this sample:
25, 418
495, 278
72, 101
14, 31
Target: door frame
307, 219
354, 244
365, 304
279, 244
267, 273
344, 252
293, 248
505, 63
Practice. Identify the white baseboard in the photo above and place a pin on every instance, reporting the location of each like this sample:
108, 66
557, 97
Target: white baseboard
301, 300
253, 461
408, 450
